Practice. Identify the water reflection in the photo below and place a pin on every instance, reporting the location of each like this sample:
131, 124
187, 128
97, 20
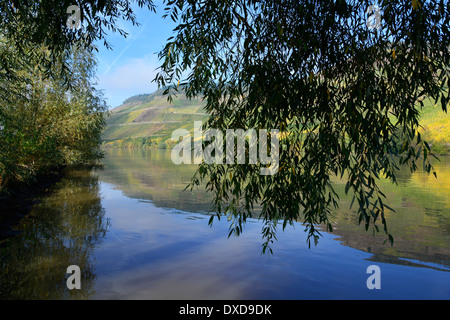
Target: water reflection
151, 175
420, 225
61, 230
136, 234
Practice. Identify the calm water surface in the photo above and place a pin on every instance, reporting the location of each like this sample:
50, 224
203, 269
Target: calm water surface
135, 234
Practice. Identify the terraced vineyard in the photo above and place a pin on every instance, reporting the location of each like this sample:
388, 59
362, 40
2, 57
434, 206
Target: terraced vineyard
149, 119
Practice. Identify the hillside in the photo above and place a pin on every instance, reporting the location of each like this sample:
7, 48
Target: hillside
435, 127
148, 120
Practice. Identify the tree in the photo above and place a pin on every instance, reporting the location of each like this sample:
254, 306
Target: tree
49, 125
32, 24
341, 92
50, 113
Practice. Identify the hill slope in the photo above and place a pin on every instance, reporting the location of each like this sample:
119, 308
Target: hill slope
436, 127
149, 119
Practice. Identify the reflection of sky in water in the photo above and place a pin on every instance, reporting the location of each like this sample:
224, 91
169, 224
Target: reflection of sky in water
134, 235
158, 253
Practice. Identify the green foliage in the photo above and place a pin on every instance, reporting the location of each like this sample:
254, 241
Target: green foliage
32, 24
49, 125
50, 113
339, 92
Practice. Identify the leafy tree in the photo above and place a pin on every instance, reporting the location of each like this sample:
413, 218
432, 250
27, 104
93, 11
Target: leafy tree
50, 113
48, 125
30, 24
341, 92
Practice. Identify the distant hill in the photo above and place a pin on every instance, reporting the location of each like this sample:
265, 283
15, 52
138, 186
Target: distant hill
148, 120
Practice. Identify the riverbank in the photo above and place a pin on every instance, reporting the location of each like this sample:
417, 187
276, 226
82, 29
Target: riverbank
437, 148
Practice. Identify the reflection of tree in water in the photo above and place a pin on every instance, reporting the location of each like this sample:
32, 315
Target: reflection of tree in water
61, 230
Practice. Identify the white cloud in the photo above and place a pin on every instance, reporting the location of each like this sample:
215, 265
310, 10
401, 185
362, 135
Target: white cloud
137, 72
132, 77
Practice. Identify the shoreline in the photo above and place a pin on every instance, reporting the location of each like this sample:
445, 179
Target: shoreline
106, 146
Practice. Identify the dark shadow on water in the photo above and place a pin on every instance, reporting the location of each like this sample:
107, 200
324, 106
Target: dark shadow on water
61, 230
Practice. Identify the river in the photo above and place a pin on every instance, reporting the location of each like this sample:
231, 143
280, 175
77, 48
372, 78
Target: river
135, 234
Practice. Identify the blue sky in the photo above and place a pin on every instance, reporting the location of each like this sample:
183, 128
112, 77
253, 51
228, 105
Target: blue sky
129, 68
